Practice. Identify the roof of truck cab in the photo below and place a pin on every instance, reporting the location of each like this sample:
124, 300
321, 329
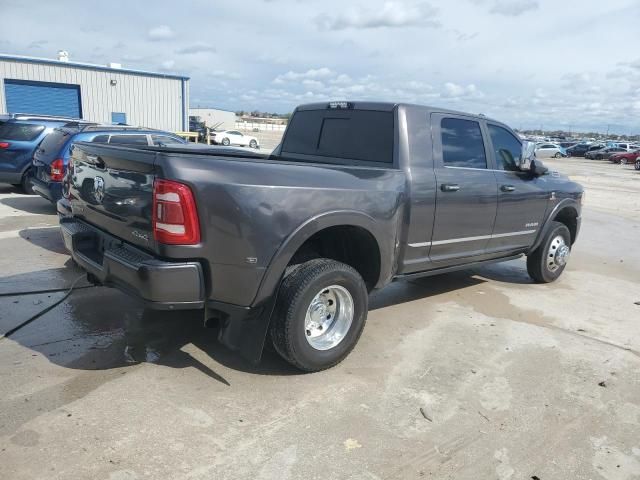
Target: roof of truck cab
389, 106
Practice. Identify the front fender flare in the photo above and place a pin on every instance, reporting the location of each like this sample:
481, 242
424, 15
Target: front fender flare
562, 204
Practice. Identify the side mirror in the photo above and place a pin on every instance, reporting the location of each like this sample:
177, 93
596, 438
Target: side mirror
527, 156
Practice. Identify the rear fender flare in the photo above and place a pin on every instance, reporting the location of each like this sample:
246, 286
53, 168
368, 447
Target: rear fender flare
293, 242
248, 331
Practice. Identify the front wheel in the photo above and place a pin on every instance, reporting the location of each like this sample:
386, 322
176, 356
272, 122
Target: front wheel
546, 263
226, 142
253, 144
557, 155
320, 313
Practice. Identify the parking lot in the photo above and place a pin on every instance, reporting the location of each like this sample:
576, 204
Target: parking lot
478, 374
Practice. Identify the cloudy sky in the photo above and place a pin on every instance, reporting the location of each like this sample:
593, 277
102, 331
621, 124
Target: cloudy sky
553, 63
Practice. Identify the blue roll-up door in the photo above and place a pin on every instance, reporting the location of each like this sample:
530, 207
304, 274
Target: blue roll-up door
43, 98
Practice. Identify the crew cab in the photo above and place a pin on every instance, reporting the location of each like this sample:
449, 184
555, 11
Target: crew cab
287, 246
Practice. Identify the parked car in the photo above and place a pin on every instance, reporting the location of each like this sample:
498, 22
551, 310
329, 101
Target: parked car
578, 150
20, 134
567, 145
548, 150
629, 147
52, 156
603, 153
625, 157
637, 166
234, 137
287, 246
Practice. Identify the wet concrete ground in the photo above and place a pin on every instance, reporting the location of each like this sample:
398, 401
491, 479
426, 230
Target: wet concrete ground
478, 374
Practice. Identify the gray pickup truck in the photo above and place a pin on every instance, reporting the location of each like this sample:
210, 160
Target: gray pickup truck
286, 247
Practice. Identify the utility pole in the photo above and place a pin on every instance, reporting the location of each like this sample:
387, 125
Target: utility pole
607, 130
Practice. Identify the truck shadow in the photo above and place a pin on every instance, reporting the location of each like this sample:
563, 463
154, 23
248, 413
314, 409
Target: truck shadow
98, 328
33, 204
47, 238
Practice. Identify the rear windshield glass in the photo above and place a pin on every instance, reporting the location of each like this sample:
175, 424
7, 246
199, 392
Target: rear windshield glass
364, 135
20, 132
52, 145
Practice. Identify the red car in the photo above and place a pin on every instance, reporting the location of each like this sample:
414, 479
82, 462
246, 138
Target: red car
625, 157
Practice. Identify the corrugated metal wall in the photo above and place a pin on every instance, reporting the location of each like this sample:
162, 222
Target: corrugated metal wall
155, 102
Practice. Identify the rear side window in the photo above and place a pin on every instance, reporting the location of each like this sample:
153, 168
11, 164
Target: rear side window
160, 140
462, 144
20, 132
364, 135
100, 139
507, 148
129, 139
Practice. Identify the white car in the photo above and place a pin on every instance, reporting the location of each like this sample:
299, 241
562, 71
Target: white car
548, 150
234, 137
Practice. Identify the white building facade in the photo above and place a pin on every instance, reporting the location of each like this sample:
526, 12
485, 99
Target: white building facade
104, 94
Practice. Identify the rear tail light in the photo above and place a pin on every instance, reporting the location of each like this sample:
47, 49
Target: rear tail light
57, 170
175, 218
4, 145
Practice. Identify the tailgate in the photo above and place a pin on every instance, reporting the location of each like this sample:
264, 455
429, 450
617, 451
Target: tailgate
112, 188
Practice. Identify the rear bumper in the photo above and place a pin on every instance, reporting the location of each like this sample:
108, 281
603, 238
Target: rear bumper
52, 191
160, 284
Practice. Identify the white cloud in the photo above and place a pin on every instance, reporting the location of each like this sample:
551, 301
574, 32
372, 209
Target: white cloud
509, 8
392, 15
167, 65
513, 8
196, 48
311, 74
454, 90
383, 50
161, 32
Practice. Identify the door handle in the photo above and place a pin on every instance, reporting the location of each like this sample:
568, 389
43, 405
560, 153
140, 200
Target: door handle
449, 187
507, 188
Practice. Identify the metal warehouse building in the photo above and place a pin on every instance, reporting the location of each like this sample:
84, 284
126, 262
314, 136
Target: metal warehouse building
106, 94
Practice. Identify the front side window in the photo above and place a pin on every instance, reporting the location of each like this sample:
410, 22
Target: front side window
462, 144
506, 147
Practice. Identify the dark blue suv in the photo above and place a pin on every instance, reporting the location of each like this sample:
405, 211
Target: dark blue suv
20, 134
52, 156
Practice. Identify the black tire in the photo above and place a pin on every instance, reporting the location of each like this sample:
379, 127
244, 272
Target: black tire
25, 184
557, 155
537, 261
623, 161
598, 157
298, 289
226, 142
253, 144
637, 164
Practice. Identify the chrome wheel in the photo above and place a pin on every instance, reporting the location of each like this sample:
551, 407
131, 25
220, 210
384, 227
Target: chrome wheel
328, 317
558, 254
